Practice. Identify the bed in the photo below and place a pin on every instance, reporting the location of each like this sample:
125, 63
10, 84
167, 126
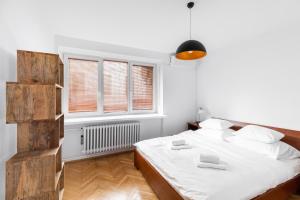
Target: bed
173, 175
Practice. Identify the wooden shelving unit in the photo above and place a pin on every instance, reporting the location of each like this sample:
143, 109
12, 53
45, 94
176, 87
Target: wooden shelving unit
34, 103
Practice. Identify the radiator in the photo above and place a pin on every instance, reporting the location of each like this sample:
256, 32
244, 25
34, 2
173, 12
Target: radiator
110, 137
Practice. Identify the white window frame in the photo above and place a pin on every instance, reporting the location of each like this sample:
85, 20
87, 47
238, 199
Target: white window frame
100, 112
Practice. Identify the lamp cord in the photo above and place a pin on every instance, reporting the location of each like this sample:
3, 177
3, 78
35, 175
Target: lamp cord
190, 23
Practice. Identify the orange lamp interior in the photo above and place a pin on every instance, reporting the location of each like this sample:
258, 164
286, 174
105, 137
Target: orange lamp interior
190, 55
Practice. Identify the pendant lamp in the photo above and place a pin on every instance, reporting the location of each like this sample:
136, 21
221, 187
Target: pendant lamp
190, 49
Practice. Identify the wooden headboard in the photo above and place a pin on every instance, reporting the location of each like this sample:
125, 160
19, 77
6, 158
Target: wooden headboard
292, 137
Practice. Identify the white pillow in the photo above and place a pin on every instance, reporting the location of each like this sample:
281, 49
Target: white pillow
215, 133
278, 150
215, 124
260, 134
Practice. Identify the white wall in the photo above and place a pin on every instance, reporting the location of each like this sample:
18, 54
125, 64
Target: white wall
255, 79
7, 72
179, 98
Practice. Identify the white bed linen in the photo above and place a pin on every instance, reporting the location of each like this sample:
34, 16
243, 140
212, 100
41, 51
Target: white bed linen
248, 175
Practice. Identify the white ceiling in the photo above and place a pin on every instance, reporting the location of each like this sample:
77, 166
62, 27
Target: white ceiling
158, 25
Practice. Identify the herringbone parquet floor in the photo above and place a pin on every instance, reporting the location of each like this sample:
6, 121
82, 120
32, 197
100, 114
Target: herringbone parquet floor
106, 178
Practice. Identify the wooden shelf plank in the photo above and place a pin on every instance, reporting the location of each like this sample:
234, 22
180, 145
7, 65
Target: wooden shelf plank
61, 194
58, 116
59, 86
37, 171
55, 84
38, 67
58, 175
61, 126
38, 135
34, 176
27, 102
29, 155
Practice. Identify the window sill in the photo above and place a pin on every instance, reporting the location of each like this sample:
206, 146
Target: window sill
85, 120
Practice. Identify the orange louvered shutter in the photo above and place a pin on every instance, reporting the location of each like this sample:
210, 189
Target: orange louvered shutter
115, 82
142, 80
83, 85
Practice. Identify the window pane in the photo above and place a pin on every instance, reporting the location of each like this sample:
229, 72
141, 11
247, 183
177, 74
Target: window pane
115, 86
83, 85
142, 78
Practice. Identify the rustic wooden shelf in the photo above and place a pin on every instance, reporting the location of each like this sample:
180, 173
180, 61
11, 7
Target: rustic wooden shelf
38, 67
35, 171
34, 103
27, 102
39, 135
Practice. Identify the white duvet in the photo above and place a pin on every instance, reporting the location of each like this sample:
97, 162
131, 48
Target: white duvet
249, 174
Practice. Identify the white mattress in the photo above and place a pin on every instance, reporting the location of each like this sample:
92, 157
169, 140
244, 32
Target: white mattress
249, 174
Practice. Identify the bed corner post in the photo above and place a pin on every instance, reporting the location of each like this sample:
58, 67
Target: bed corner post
136, 159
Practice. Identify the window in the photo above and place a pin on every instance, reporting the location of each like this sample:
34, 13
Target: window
142, 78
83, 85
102, 87
115, 76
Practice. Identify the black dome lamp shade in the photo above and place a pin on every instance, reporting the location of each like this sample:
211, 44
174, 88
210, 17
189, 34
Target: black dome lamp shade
190, 49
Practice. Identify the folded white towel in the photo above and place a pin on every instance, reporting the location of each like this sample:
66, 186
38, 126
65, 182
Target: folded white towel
209, 158
186, 146
178, 142
221, 166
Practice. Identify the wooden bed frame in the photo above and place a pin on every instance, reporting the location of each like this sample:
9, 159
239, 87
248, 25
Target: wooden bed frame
165, 191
